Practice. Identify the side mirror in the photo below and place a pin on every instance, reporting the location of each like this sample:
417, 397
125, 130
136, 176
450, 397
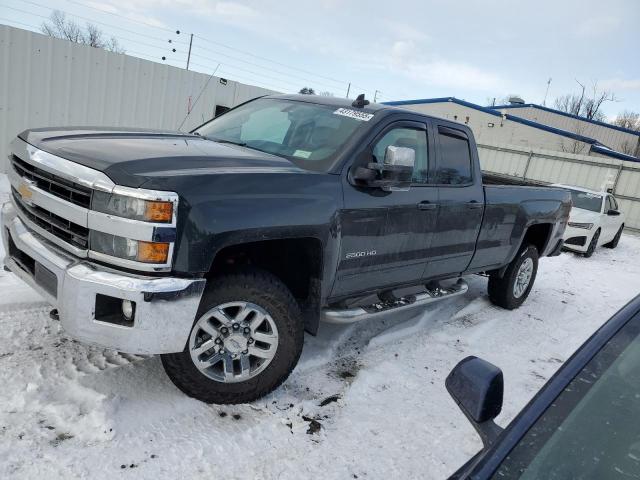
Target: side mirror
394, 173
613, 213
477, 387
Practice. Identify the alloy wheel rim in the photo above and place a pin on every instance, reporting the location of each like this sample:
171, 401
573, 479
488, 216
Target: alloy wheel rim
523, 278
233, 342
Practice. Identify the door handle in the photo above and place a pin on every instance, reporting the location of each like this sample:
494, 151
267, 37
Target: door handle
474, 204
426, 205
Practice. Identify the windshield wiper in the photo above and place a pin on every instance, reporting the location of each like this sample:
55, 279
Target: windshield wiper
222, 140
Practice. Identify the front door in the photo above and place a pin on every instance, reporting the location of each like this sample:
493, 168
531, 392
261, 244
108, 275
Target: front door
385, 236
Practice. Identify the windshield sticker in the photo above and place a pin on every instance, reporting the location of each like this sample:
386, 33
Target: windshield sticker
302, 154
345, 112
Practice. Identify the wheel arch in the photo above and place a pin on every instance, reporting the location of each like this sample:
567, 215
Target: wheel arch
296, 261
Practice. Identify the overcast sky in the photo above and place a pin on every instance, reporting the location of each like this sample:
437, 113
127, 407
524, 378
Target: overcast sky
474, 50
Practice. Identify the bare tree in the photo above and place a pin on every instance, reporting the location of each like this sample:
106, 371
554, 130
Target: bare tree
628, 119
326, 93
59, 26
584, 105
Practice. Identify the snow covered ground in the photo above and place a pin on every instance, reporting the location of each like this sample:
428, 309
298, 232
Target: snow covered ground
366, 401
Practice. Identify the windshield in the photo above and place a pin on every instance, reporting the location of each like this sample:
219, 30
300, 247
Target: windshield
592, 430
586, 200
308, 134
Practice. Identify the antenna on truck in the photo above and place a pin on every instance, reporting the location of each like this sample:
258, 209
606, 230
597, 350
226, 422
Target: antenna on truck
360, 102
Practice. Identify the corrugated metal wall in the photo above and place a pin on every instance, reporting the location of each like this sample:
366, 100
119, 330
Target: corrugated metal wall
546, 166
49, 82
614, 139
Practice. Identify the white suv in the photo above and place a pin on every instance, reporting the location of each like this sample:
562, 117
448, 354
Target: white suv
594, 220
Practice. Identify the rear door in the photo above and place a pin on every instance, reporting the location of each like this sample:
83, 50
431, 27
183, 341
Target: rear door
386, 236
461, 201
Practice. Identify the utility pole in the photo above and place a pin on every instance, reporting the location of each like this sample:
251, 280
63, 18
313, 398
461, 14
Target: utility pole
348, 89
189, 55
375, 95
544, 102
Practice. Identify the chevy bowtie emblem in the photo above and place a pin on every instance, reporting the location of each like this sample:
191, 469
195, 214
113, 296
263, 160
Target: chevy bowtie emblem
25, 192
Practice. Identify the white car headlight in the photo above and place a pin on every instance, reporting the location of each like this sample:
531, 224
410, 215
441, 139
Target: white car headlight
586, 226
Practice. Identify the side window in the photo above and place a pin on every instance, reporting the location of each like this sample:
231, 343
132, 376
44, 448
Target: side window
609, 205
455, 155
410, 138
614, 202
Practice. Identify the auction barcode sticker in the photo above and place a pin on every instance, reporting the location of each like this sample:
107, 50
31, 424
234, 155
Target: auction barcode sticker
346, 112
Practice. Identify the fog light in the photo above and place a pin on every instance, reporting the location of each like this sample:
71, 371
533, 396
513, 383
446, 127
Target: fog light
128, 309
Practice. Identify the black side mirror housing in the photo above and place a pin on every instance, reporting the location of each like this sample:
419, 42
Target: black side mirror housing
477, 386
394, 173
613, 213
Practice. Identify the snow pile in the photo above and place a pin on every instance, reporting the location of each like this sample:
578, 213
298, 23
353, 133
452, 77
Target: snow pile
366, 401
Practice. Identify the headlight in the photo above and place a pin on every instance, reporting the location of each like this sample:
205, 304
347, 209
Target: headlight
133, 208
586, 226
136, 250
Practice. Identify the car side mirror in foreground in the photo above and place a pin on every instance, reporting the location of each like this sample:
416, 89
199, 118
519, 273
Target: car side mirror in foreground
613, 213
477, 387
393, 174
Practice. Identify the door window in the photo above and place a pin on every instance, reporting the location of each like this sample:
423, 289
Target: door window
591, 431
410, 138
614, 203
455, 155
609, 205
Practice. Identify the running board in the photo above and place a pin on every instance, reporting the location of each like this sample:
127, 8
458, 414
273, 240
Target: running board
350, 315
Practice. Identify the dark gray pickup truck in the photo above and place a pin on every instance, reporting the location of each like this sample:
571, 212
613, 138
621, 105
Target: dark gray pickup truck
219, 248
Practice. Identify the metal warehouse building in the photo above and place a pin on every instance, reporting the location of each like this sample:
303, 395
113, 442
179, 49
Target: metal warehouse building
524, 150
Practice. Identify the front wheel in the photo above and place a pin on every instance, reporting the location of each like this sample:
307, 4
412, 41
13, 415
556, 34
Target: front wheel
245, 342
614, 243
593, 244
512, 289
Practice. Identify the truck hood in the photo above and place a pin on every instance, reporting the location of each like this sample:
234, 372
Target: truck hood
132, 157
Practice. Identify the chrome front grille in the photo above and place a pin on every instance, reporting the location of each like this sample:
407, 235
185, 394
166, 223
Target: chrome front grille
62, 228
60, 187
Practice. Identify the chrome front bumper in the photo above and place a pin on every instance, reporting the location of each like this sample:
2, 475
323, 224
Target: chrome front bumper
165, 306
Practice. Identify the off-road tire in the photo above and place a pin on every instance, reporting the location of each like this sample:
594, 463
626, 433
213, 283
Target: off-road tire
267, 291
593, 244
614, 243
501, 288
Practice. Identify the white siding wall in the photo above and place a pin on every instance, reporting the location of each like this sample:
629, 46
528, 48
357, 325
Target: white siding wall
503, 131
615, 139
49, 82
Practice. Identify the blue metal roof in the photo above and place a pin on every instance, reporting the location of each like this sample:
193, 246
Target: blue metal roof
570, 115
488, 110
596, 146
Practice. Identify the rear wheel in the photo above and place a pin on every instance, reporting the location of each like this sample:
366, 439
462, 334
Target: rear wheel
512, 289
614, 243
245, 342
593, 244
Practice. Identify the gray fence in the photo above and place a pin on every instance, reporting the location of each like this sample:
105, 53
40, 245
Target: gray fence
544, 166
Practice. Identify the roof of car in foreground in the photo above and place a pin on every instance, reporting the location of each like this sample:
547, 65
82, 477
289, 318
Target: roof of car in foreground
580, 189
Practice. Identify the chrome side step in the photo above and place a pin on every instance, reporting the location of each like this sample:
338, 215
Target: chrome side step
350, 315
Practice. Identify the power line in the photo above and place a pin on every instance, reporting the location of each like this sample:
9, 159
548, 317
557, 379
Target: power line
279, 72
341, 83
90, 20
122, 16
